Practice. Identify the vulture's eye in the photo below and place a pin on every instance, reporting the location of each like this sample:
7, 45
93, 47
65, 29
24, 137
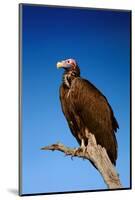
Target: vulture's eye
68, 61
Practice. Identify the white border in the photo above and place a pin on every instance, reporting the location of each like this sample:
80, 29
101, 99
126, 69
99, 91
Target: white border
9, 97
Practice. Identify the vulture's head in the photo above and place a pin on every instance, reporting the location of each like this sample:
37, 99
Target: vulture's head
69, 65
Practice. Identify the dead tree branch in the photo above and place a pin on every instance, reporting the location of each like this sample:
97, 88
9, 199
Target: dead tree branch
95, 154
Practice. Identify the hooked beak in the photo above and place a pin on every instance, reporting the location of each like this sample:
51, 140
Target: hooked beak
60, 64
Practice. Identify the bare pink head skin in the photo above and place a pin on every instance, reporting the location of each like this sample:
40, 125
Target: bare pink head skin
69, 65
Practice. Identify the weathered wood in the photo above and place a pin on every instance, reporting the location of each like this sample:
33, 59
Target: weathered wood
97, 155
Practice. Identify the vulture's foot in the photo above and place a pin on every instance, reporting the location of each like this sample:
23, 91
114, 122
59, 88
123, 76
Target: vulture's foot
82, 149
79, 150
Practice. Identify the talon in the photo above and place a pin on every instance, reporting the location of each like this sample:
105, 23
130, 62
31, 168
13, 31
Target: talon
72, 157
82, 149
73, 154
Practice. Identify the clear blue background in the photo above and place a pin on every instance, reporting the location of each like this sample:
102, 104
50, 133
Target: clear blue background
100, 42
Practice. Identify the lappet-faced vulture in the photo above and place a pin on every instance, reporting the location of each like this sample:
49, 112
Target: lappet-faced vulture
86, 108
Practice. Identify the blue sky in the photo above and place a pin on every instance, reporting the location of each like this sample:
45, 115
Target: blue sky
100, 42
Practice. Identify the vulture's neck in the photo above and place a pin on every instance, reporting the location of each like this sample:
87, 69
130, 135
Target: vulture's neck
69, 76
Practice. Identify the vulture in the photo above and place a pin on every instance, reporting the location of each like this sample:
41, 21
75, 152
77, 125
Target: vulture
86, 108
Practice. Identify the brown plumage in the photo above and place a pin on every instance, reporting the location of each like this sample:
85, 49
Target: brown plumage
85, 107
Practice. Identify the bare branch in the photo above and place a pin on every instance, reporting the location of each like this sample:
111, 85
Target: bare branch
66, 150
95, 154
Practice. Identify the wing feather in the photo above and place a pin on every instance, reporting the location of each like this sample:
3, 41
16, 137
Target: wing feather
94, 110
84, 106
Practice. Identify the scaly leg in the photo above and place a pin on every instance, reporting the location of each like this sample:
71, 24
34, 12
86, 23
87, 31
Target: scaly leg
83, 148
82, 144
